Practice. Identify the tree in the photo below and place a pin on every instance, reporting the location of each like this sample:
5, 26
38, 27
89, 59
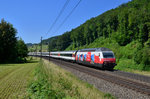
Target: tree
22, 49
11, 50
7, 41
63, 41
52, 45
146, 57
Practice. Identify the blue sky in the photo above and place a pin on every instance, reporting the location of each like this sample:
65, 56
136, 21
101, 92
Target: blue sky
33, 18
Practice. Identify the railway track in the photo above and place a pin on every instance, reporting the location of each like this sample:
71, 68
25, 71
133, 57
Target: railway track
132, 76
124, 82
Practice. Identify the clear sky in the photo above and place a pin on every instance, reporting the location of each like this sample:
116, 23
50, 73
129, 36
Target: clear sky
33, 18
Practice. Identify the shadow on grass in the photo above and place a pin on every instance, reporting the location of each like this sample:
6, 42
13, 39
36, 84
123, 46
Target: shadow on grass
32, 61
28, 61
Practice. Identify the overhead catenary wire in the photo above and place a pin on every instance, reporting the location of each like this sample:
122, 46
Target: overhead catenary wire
68, 16
60, 13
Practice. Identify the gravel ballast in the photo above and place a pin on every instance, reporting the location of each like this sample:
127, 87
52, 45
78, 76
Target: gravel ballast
128, 75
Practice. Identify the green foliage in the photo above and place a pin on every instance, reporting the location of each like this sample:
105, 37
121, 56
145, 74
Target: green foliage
8, 41
143, 57
22, 50
108, 96
124, 64
11, 49
62, 42
54, 43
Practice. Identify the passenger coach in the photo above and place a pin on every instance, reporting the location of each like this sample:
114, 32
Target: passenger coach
66, 55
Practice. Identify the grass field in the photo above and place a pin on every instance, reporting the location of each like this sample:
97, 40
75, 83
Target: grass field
51, 81
44, 80
14, 79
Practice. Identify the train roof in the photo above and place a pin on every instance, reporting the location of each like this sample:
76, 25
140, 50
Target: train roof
63, 52
95, 49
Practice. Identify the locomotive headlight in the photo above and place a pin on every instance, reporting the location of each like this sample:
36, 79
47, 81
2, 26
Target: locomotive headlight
106, 62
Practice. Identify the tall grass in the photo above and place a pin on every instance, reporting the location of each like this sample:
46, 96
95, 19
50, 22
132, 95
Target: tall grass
53, 82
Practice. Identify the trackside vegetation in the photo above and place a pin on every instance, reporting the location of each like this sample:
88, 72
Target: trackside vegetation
53, 82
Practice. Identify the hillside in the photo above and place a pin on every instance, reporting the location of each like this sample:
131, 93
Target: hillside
34, 47
125, 30
126, 23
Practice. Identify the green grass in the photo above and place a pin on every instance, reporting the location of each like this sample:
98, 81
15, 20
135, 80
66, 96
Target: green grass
14, 79
53, 82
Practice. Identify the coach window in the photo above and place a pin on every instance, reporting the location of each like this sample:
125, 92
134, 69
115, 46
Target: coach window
68, 55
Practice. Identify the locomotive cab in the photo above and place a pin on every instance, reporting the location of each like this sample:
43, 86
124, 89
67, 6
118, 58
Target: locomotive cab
109, 60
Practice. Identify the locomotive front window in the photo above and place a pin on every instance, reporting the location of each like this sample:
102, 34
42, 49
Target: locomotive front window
108, 55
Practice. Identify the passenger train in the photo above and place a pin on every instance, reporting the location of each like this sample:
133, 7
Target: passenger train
100, 57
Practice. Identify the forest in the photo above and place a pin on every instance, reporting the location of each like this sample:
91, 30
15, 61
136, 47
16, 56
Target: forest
125, 30
12, 48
